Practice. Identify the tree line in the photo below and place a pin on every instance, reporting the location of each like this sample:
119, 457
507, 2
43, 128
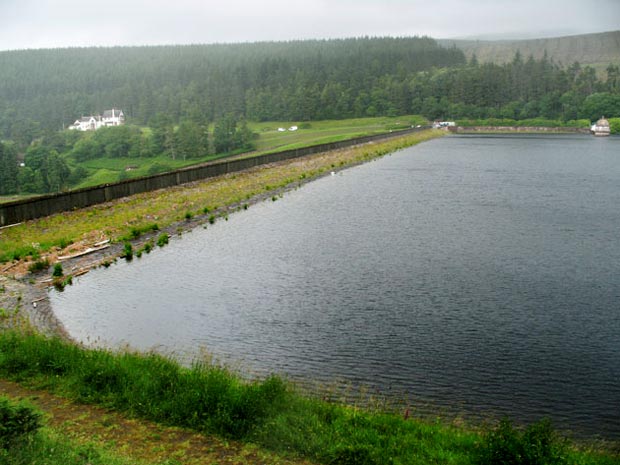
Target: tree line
301, 80
42, 90
46, 160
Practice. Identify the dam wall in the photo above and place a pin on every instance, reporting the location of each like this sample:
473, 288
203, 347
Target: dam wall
45, 205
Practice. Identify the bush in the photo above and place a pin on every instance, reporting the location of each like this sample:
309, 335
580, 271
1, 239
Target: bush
17, 422
61, 282
57, 273
537, 445
64, 243
137, 231
163, 239
127, 251
39, 265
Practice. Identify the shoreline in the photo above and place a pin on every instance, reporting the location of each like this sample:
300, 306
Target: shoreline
517, 129
24, 296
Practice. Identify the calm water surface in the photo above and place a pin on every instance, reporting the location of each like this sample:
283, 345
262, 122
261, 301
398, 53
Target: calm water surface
473, 274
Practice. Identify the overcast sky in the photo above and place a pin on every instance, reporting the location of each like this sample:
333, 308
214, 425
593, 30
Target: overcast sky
64, 23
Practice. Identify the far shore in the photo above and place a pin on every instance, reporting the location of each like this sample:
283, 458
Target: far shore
516, 129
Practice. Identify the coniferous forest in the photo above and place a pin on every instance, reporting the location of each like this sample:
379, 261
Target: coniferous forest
180, 90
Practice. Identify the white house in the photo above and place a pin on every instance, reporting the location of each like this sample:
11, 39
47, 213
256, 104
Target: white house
111, 117
601, 127
86, 123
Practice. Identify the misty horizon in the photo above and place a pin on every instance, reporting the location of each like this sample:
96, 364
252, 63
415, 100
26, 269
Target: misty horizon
43, 24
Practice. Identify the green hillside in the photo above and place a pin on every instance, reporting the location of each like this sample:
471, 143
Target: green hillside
597, 50
192, 103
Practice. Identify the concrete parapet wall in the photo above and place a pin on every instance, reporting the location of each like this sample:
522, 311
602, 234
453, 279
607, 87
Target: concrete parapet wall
37, 207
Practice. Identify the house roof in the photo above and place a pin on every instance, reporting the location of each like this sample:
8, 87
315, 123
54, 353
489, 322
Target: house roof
113, 113
602, 122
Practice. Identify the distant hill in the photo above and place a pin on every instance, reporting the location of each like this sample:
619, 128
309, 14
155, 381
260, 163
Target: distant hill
597, 50
45, 90
297, 80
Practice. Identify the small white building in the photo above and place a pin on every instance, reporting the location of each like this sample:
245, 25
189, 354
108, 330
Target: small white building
86, 123
601, 127
443, 124
111, 117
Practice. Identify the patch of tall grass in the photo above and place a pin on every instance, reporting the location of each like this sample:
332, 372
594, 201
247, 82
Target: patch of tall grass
24, 441
268, 412
17, 423
204, 397
50, 448
163, 239
137, 231
127, 251
509, 446
38, 265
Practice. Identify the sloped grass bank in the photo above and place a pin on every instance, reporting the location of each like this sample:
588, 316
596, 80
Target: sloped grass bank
269, 412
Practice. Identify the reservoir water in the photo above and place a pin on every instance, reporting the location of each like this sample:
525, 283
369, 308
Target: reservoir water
473, 275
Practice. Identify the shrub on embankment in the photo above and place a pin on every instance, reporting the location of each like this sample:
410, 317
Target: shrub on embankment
25, 441
17, 423
269, 412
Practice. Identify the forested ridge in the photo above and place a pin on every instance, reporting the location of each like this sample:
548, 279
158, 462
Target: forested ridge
197, 98
54, 87
298, 80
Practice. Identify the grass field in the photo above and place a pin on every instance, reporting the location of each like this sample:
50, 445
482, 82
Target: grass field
319, 132
11, 198
108, 170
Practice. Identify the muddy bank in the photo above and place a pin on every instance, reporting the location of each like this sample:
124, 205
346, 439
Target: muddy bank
24, 304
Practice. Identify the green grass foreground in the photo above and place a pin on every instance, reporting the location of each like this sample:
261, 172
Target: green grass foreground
268, 412
48, 448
